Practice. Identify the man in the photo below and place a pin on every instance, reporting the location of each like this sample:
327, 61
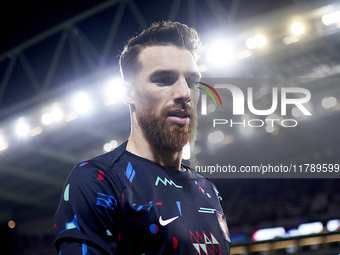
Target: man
139, 198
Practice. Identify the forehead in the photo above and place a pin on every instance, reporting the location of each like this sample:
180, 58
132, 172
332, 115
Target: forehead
167, 58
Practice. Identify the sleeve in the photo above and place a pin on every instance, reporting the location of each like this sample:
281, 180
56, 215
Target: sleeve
88, 217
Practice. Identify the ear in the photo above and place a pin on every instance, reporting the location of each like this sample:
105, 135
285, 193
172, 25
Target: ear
128, 93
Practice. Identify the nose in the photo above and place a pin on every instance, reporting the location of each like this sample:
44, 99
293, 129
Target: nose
182, 91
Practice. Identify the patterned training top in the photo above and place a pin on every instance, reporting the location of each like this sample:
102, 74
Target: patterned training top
119, 203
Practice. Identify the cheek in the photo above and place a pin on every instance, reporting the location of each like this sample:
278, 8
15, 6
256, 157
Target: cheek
194, 97
148, 101
151, 97
141, 97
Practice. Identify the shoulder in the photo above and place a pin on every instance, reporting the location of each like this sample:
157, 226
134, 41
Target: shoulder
102, 167
109, 159
202, 179
197, 175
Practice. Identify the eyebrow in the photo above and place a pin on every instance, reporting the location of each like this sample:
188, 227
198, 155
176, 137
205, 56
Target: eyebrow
158, 73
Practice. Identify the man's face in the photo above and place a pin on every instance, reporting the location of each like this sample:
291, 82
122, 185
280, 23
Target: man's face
165, 96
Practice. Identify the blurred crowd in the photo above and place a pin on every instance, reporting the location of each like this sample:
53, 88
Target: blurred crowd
264, 203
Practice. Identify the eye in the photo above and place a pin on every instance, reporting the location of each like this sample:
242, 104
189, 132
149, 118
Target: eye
165, 81
192, 83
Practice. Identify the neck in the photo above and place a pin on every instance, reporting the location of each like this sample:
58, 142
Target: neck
140, 145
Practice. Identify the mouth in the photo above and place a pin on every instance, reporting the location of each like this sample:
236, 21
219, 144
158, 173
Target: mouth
179, 117
180, 113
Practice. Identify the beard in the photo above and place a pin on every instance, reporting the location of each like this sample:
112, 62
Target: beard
162, 132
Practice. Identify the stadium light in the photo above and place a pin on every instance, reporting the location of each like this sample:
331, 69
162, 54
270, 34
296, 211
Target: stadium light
110, 146
268, 233
3, 144
113, 91
291, 39
258, 41
220, 53
296, 112
57, 114
46, 119
215, 137
310, 228
107, 147
36, 131
333, 225
52, 113
250, 43
270, 129
329, 102
22, 129
297, 28
331, 18
11, 224
82, 103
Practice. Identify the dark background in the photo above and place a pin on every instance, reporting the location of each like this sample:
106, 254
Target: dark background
33, 169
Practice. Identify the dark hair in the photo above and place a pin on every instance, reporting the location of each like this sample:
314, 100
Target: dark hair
159, 33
